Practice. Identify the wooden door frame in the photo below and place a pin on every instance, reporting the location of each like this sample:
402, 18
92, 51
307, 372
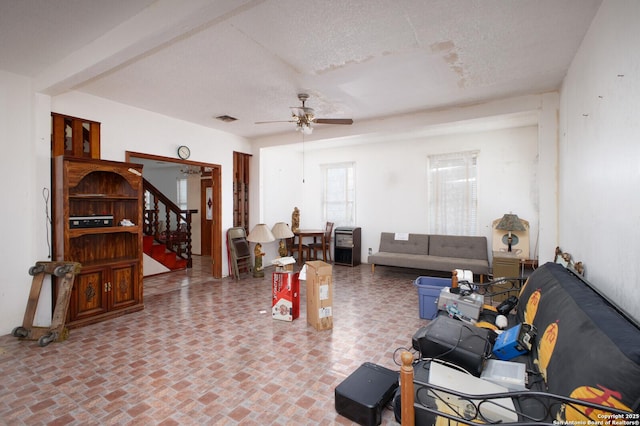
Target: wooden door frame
216, 178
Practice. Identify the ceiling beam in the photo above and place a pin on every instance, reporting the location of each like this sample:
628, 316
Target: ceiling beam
158, 25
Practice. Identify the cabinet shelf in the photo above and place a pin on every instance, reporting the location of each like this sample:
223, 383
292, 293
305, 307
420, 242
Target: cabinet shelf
108, 262
79, 232
115, 197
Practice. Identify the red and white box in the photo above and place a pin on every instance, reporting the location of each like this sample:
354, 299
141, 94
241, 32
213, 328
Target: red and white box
286, 296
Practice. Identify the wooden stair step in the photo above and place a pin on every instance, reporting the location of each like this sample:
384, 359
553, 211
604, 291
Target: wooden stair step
147, 243
167, 258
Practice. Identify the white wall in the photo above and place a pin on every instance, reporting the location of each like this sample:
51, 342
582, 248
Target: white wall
164, 179
599, 211
379, 146
25, 210
391, 181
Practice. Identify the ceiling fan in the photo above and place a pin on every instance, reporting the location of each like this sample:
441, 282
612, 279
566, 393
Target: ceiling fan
303, 116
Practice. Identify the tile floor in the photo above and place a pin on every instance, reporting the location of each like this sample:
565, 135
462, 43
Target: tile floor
204, 352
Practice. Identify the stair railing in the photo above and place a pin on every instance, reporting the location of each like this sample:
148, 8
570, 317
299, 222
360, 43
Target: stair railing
175, 232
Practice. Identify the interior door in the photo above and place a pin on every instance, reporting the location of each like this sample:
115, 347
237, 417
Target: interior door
206, 219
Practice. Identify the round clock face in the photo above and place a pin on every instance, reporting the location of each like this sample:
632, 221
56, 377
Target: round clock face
184, 152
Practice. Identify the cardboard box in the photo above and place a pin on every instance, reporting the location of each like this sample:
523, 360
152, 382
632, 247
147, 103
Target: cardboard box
286, 296
319, 294
284, 263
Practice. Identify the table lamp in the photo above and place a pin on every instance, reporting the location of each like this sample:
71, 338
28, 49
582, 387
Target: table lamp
510, 222
259, 234
281, 231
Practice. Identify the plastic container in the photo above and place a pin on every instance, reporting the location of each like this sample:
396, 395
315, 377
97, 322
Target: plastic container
506, 373
428, 293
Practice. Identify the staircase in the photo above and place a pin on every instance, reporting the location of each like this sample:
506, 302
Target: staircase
167, 240
159, 252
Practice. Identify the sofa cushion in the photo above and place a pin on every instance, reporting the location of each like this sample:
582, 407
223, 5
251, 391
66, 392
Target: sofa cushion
584, 347
437, 263
458, 246
416, 244
415, 261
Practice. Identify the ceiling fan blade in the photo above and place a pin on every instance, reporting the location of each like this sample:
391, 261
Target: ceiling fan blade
333, 120
276, 121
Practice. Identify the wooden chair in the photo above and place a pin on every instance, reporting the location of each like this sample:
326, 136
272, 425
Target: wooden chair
292, 248
315, 247
239, 252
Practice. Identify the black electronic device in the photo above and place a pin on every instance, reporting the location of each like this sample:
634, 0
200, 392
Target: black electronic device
347, 241
454, 341
362, 396
90, 221
507, 305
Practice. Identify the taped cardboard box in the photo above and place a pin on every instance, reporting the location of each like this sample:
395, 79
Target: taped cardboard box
319, 294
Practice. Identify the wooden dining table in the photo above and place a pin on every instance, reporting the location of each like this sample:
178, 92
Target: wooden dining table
308, 233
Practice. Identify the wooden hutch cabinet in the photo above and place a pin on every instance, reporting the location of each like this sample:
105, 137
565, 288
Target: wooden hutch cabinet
92, 197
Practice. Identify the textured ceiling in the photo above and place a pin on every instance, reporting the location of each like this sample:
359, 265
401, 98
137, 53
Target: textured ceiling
360, 59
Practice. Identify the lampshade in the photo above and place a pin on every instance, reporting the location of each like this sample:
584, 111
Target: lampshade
510, 222
260, 234
281, 230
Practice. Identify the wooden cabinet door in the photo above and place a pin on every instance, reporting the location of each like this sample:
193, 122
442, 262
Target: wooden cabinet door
74, 137
88, 297
123, 286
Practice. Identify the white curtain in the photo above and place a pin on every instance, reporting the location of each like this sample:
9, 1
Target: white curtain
453, 195
339, 189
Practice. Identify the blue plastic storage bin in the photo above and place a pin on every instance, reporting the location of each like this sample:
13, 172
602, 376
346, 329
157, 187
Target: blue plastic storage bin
428, 293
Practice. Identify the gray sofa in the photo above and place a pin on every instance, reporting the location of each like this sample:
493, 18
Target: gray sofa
432, 252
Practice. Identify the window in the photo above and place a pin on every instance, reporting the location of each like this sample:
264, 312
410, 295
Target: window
182, 193
453, 195
339, 189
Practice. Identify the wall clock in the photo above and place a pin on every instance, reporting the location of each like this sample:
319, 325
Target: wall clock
184, 152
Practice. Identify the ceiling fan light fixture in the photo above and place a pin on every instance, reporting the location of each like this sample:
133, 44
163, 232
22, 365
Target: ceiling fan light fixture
304, 128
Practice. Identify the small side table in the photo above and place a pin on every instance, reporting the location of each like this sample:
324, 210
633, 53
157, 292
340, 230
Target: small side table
527, 264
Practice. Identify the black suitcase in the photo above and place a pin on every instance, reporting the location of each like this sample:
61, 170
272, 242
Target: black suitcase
452, 340
362, 396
